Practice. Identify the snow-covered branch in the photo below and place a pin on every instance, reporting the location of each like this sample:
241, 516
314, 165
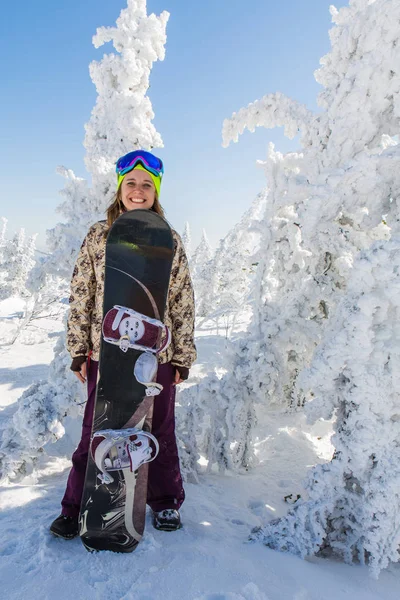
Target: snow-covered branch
273, 110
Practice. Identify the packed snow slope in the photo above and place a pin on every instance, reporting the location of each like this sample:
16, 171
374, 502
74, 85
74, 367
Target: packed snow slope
210, 558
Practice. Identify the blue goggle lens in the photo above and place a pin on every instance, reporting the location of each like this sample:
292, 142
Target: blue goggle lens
148, 160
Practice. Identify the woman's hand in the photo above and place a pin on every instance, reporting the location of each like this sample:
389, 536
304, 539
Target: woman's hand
178, 378
78, 367
81, 375
181, 374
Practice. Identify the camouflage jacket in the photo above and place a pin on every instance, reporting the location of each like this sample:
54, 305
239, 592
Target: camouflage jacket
86, 301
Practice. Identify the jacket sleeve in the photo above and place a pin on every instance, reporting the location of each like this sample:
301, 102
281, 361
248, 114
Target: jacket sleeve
81, 302
182, 308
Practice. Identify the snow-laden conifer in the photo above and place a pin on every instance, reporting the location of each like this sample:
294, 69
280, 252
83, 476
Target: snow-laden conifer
3, 244
187, 241
120, 122
233, 267
17, 260
121, 119
200, 269
3, 236
216, 416
354, 501
326, 203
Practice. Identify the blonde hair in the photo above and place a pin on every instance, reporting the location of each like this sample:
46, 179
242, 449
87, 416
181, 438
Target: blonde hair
117, 207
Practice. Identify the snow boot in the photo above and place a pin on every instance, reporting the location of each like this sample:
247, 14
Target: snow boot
65, 527
167, 520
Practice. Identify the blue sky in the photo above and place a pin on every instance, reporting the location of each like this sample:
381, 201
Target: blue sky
220, 56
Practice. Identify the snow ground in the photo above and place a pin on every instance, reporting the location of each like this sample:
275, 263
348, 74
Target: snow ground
209, 559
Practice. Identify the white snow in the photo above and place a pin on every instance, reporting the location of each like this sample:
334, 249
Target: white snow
209, 559
307, 285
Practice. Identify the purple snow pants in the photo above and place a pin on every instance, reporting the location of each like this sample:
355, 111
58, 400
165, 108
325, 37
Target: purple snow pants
165, 489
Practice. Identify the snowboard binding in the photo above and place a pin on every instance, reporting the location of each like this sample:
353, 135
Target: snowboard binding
116, 449
126, 328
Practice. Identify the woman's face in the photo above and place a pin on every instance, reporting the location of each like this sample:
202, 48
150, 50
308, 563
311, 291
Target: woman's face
137, 190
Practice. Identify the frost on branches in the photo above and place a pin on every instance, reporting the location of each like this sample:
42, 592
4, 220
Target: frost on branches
233, 268
354, 501
121, 121
327, 202
328, 285
121, 118
16, 261
216, 416
215, 420
17, 258
3, 246
187, 241
200, 270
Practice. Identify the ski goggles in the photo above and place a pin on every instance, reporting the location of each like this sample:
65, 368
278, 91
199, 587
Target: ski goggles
151, 163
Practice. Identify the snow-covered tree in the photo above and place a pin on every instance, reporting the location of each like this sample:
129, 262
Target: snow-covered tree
3, 236
326, 205
3, 243
233, 267
121, 121
216, 416
354, 501
17, 261
216, 419
187, 241
200, 270
201, 255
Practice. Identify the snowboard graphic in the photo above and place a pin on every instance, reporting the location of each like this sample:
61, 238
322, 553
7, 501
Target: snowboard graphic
139, 253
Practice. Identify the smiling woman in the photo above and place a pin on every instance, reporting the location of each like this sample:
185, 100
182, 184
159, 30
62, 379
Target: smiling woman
138, 184
139, 176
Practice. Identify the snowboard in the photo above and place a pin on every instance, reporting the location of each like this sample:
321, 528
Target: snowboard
138, 260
